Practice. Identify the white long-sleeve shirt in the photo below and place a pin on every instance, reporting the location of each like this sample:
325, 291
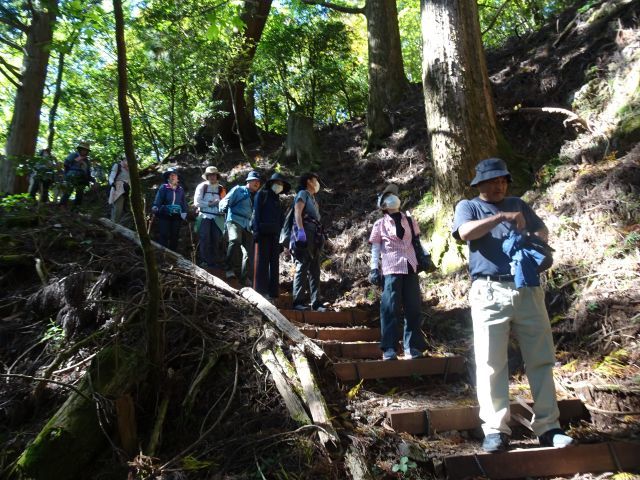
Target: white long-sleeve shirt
207, 197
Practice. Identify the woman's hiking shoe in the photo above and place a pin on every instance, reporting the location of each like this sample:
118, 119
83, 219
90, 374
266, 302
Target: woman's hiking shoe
555, 438
495, 442
389, 354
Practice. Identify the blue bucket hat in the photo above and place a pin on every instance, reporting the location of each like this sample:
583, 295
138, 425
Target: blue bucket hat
490, 168
253, 175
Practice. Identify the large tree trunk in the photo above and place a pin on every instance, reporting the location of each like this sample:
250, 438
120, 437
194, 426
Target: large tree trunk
459, 110
155, 343
301, 144
226, 127
23, 132
387, 81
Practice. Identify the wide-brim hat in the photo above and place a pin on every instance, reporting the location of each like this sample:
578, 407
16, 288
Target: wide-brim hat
210, 171
83, 145
490, 168
253, 175
392, 188
278, 177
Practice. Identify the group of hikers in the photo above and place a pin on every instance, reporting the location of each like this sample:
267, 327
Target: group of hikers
76, 177
256, 227
507, 252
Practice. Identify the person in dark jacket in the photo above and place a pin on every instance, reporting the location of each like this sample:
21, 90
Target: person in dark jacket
268, 218
170, 207
77, 174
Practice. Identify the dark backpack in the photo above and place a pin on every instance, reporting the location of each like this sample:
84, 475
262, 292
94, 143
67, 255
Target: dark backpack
287, 227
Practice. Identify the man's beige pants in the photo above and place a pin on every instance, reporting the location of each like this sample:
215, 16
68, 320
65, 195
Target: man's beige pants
497, 308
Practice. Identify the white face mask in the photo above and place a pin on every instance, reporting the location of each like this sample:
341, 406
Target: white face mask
316, 185
276, 188
391, 202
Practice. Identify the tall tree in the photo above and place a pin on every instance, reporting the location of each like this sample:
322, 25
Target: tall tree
235, 122
387, 80
155, 344
459, 109
25, 122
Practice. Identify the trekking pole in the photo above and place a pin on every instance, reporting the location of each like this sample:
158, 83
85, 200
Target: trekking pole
150, 222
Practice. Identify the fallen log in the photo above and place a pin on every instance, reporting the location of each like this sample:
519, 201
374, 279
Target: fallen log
291, 400
75, 434
284, 325
314, 399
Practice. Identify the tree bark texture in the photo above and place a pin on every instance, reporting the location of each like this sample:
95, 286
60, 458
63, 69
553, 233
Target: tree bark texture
75, 435
226, 126
459, 107
301, 144
155, 343
53, 112
387, 81
25, 122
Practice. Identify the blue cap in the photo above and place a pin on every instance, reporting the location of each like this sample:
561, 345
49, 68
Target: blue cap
253, 175
490, 168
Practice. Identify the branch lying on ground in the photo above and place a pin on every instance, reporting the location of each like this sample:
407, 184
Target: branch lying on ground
572, 118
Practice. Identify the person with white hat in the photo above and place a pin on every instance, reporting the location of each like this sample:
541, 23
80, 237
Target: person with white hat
238, 208
207, 198
498, 307
391, 241
77, 173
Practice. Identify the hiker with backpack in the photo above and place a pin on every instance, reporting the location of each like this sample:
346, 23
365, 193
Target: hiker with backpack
267, 222
120, 186
238, 209
307, 240
77, 174
211, 221
170, 208
391, 244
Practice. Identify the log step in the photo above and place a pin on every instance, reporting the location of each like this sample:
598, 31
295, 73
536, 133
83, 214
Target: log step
353, 371
357, 350
543, 462
343, 334
422, 421
310, 317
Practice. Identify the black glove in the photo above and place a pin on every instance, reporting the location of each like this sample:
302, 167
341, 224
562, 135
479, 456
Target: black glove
375, 278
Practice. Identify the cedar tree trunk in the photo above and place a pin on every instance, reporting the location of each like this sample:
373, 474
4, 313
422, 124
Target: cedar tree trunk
387, 81
459, 110
23, 132
227, 126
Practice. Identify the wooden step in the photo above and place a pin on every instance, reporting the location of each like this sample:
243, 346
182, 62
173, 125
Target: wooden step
423, 421
358, 350
310, 317
543, 462
353, 371
343, 334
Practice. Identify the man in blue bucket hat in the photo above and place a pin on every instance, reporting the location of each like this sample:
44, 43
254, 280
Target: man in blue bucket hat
499, 306
237, 207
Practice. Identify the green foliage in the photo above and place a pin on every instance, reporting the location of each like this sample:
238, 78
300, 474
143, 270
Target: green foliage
403, 465
304, 64
54, 334
501, 20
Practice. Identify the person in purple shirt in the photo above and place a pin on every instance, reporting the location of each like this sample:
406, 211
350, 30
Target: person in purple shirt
170, 208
